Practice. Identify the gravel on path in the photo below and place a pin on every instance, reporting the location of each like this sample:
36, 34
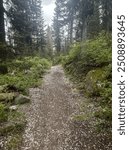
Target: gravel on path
50, 118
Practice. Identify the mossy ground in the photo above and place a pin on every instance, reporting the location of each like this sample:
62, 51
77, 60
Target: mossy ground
20, 75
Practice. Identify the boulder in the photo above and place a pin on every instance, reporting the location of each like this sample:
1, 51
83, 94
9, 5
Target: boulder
21, 99
94, 82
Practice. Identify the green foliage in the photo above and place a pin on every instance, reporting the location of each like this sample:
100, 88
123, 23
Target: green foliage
81, 117
3, 113
90, 54
6, 52
7, 97
89, 64
25, 73
27, 25
22, 74
3, 69
3, 51
14, 142
14, 123
58, 59
104, 114
13, 132
12, 129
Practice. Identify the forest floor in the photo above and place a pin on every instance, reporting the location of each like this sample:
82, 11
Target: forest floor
51, 118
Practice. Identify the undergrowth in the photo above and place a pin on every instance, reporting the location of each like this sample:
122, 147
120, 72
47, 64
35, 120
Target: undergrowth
89, 65
16, 77
24, 73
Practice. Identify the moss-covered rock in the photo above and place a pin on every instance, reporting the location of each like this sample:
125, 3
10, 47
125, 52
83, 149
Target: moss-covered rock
94, 82
21, 99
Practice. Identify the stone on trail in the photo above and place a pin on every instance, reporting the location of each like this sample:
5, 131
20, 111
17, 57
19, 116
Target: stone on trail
13, 108
21, 99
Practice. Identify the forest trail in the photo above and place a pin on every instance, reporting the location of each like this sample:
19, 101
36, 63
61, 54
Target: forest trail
50, 117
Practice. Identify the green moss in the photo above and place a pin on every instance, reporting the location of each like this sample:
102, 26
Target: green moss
3, 69
94, 82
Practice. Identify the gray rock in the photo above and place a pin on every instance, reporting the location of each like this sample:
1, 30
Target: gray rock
13, 108
21, 99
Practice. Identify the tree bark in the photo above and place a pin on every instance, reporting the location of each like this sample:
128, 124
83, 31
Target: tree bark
84, 31
71, 29
2, 26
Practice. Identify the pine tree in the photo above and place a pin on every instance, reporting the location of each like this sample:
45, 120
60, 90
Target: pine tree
94, 23
79, 20
38, 33
57, 27
71, 10
106, 8
49, 42
27, 26
21, 25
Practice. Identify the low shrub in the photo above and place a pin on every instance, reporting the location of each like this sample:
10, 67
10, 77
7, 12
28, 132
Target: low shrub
25, 73
88, 55
3, 69
17, 76
3, 113
89, 64
58, 59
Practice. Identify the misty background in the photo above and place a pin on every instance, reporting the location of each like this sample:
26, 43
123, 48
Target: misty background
48, 7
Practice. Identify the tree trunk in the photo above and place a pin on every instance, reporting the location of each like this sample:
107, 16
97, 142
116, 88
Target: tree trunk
71, 30
2, 27
84, 30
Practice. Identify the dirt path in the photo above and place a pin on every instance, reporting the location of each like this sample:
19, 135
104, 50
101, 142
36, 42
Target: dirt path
50, 118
